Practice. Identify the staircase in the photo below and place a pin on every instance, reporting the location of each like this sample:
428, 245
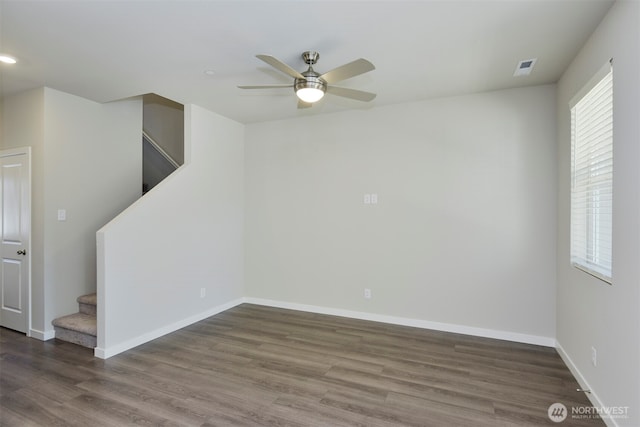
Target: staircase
79, 328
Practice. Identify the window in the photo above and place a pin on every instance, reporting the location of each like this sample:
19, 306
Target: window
592, 176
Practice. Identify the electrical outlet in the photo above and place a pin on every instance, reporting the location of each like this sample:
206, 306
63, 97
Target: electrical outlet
370, 199
594, 356
203, 292
367, 293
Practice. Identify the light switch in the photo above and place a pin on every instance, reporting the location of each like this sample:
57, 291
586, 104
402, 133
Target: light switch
374, 199
62, 214
367, 199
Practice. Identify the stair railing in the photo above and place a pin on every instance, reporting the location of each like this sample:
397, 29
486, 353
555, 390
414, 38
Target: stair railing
160, 150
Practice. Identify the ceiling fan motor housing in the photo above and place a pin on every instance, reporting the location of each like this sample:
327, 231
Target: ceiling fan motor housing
312, 80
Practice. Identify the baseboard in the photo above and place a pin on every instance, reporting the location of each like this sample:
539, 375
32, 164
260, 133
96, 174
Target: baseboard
42, 336
105, 353
593, 396
417, 323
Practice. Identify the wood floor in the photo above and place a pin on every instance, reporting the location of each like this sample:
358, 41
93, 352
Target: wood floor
259, 366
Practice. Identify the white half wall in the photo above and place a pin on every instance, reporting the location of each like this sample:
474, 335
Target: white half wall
591, 313
183, 237
463, 233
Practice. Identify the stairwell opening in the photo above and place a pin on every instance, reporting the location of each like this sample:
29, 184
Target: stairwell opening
162, 139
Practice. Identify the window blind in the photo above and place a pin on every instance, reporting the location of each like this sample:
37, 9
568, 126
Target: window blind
592, 177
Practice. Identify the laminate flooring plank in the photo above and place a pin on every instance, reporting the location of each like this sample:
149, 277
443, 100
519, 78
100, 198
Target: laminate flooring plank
311, 412
436, 371
34, 410
129, 361
56, 369
264, 366
410, 385
268, 353
10, 419
463, 384
508, 379
10, 380
206, 384
173, 385
158, 403
441, 411
387, 413
16, 371
56, 408
241, 412
117, 413
186, 359
55, 392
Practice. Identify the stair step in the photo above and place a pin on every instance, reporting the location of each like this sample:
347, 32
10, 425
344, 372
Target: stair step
91, 299
78, 328
87, 304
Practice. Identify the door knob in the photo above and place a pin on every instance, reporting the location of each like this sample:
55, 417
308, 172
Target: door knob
22, 252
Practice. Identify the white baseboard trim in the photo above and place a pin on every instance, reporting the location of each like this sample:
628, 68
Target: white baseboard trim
105, 353
42, 336
417, 323
593, 396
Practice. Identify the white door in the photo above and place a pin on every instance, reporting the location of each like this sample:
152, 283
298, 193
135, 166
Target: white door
15, 231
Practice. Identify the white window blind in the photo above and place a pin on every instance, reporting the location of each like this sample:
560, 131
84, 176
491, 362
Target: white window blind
592, 176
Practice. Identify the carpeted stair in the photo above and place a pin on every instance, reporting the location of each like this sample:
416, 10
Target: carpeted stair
79, 328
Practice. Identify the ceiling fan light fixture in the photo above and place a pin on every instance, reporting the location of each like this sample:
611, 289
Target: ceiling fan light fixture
310, 89
309, 94
7, 59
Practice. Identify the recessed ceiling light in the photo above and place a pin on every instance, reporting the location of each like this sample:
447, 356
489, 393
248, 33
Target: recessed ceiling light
7, 59
525, 67
209, 72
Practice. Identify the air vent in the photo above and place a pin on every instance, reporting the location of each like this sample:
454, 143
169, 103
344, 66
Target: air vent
525, 67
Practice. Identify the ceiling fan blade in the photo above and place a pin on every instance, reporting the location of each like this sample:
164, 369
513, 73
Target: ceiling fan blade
279, 65
346, 71
264, 86
302, 104
359, 95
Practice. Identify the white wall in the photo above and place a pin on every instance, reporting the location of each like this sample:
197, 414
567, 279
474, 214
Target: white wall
464, 230
75, 145
93, 163
591, 312
184, 235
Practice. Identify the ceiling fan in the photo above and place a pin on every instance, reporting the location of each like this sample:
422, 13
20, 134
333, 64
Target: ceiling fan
311, 86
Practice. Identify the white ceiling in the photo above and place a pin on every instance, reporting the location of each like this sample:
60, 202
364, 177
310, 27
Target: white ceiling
109, 50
